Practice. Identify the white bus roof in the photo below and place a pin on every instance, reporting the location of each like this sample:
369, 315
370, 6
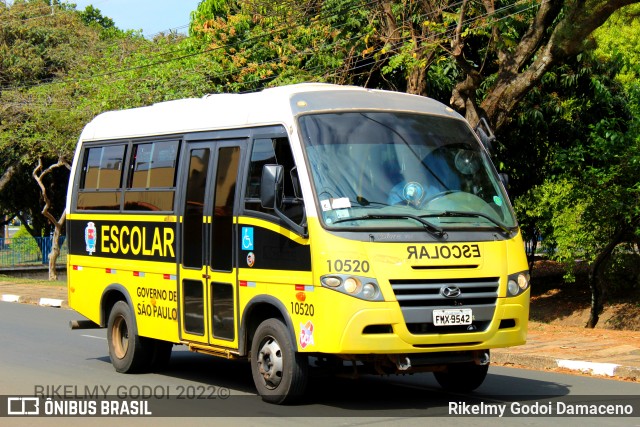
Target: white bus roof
271, 106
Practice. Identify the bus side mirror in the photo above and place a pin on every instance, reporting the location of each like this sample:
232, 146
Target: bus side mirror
295, 180
271, 186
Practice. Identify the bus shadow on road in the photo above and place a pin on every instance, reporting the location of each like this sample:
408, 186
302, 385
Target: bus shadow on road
367, 395
420, 395
231, 374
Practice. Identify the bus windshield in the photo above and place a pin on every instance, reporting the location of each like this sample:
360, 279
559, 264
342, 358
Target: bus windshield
381, 170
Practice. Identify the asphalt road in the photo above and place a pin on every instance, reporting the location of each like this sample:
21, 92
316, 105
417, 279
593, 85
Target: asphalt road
40, 355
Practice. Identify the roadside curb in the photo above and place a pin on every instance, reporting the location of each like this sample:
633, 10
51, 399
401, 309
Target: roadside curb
50, 302
550, 363
43, 302
10, 298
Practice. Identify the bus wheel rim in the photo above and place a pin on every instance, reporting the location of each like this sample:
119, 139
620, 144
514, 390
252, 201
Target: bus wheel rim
120, 337
270, 363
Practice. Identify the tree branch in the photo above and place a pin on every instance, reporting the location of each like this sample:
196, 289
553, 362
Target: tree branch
8, 174
457, 44
532, 39
568, 38
39, 174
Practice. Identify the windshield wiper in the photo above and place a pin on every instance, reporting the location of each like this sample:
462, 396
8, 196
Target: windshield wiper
431, 228
494, 221
364, 202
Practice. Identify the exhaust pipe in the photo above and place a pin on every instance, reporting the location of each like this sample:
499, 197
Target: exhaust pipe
403, 363
481, 357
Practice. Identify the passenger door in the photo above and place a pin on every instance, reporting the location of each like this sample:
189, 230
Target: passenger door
208, 274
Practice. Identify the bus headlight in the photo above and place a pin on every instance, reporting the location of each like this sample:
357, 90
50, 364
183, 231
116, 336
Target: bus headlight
512, 288
364, 288
352, 285
331, 281
518, 283
369, 291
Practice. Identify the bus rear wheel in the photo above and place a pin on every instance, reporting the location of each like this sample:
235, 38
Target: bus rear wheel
127, 350
462, 377
279, 372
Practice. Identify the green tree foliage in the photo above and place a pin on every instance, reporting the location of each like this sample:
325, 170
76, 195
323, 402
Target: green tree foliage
92, 16
618, 39
582, 192
484, 56
36, 48
253, 44
547, 135
25, 243
59, 70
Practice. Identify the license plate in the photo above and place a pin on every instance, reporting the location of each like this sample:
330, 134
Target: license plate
452, 317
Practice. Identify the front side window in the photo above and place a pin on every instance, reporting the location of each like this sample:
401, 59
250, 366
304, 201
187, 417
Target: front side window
274, 151
401, 170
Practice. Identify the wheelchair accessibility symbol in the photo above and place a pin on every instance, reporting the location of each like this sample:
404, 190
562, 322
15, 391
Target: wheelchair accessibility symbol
247, 238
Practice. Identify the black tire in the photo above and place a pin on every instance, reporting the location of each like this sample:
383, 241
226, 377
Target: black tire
462, 377
129, 352
279, 372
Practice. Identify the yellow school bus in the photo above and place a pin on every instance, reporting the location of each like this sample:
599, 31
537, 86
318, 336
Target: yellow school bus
300, 226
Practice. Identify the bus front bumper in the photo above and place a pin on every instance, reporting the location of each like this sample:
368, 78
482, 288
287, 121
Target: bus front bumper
383, 331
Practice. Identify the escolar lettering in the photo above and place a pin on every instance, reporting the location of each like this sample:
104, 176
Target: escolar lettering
443, 252
125, 240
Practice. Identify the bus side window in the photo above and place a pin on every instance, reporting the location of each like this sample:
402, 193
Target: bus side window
273, 151
152, 177
100, 183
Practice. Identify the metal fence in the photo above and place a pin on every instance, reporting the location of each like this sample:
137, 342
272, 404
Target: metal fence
29, 251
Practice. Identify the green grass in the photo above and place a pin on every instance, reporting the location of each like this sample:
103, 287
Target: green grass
44, 282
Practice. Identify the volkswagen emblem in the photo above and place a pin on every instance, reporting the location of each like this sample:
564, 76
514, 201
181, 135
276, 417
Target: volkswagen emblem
450, 291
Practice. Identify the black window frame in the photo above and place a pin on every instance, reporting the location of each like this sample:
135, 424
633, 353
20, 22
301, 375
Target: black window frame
123, 190
290, 199
82, 177
129, 190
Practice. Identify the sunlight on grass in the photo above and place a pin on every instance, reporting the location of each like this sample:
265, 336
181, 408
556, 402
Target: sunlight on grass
25, 280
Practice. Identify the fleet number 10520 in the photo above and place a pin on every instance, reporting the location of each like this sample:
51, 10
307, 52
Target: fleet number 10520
303, 309
348, 266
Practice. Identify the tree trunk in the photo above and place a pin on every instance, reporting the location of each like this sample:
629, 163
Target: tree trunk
417, 81
55, 248
596, 299
531, 256
38, 175
595, 272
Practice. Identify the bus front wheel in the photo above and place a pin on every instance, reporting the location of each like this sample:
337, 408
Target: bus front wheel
279, 372
127, 350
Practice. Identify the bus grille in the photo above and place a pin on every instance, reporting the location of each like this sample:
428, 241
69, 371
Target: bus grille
418, 299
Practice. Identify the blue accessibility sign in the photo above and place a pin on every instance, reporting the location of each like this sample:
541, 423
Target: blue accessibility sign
247, 238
